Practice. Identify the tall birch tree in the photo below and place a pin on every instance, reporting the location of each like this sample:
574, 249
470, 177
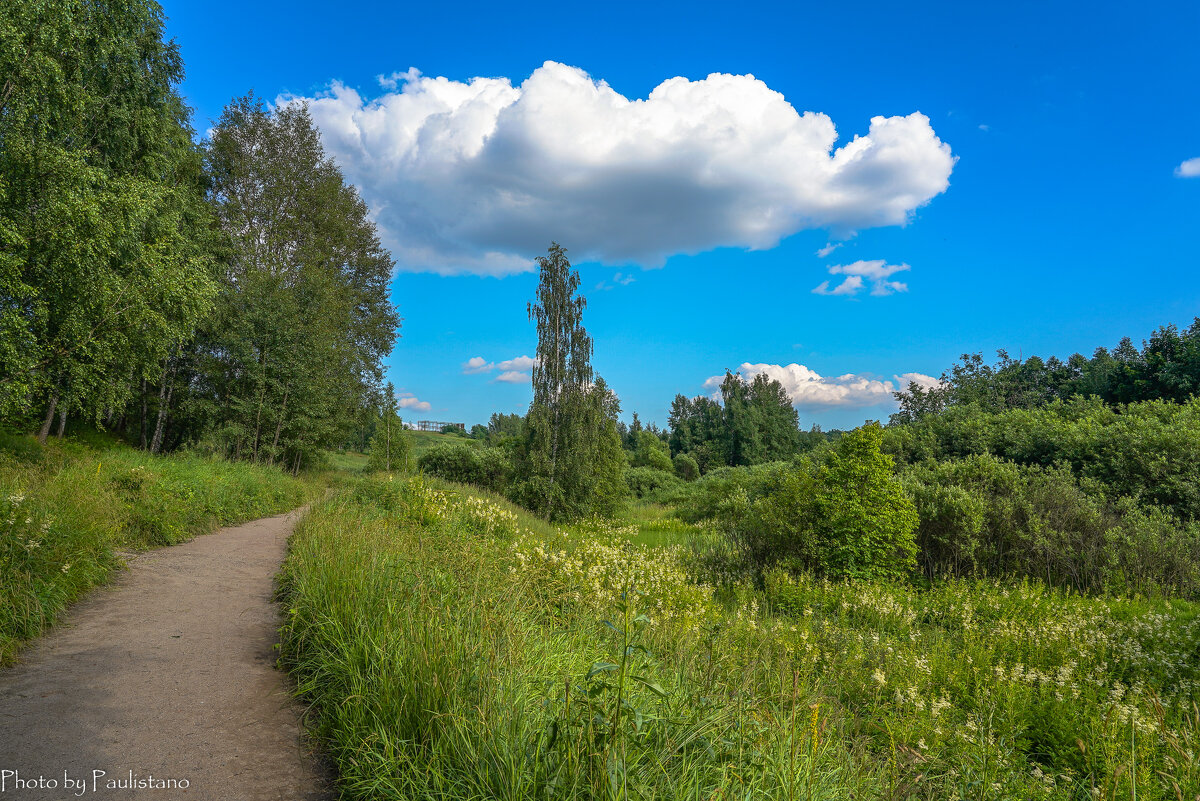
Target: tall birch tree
570, 461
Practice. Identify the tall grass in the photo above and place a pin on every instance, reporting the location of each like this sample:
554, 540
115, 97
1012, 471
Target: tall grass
451, 650
68, 509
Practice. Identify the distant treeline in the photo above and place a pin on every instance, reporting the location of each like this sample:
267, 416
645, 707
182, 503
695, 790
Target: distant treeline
1166, 368
229, 295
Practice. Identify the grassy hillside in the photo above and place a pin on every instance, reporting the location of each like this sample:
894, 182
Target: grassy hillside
454, 647
69, 508
422, 441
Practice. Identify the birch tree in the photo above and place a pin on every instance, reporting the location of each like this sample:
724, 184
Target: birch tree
570, 461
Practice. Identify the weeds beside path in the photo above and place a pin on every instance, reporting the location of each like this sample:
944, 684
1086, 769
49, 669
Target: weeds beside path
169, 673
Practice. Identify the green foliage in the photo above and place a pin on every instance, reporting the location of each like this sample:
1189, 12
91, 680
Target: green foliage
303, 317
707, 498
389, 448
489, 468
1167, 368
982, 516
1147, 451
505, 426
104, 265
754, 423
569, 462
66, 509
686, 467
650, 482
650, 451
846, 518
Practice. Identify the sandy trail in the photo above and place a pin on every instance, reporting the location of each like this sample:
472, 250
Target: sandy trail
169, 673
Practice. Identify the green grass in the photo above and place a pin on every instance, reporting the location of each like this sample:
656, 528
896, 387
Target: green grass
452, 647
422, 441
655, 525
347, 461
68, 509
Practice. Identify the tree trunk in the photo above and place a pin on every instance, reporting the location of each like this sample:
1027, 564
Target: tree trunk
262, 394
164, 403
279, 425
45, 430
142, 423
62, 422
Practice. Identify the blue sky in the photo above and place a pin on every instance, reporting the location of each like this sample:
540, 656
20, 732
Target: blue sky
1041, 204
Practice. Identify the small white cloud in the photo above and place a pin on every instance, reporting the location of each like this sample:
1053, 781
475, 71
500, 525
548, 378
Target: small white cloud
512, 371
407, 400
849, 286
1189, 168
809, 390
829, 248
985, 128
882, 288
478, 176
876, 271
475, 365
519, 363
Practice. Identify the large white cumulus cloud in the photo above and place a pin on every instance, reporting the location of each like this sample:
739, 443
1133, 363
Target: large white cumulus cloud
811, 391
480, 176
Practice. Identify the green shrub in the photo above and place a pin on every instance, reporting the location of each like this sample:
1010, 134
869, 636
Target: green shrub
846, 518
706, 497
645, 482
1149, 451
984, 516
650, 451
686, 467
490, 468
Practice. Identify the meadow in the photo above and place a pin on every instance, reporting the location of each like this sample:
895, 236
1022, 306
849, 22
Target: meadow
72, 509
453, 646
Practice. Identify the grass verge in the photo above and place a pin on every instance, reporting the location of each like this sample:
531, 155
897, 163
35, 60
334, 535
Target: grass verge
69, 508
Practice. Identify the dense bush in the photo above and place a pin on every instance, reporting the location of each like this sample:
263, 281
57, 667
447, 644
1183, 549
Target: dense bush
686, 467
650, 451
1148, 451
651, 483
490, 468
846, 517
706, 497
983, 516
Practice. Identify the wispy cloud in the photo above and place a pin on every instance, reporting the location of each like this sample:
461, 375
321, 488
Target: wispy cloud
620, 279
512, 371
877, 272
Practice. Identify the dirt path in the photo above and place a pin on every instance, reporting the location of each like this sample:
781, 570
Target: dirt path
169, 673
